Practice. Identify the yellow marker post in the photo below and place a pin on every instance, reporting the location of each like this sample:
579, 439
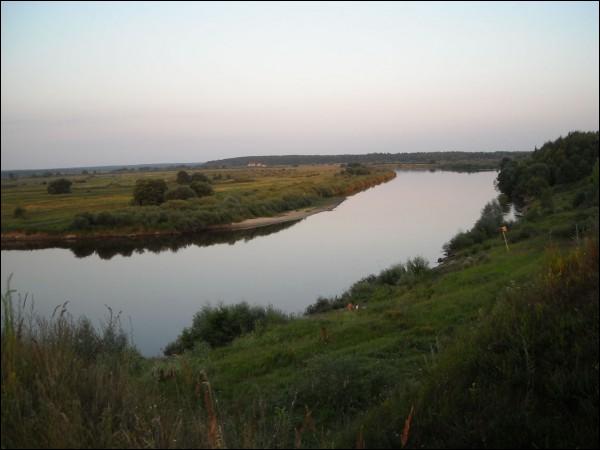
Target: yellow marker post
504, 229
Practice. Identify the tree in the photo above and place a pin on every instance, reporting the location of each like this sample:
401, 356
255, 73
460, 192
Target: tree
202, 188
180, 193
198, 176
183, 177
60, 186
149, 192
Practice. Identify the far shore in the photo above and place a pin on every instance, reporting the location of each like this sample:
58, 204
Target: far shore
13, 240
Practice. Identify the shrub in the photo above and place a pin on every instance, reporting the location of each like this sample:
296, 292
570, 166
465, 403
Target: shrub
201, 188
149, 192
180, 193
198, 176
19, 212
183, 177
218, 326
492, 217
60, 186
356, 169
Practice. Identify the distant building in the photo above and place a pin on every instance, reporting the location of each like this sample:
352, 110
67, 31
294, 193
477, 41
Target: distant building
256, 164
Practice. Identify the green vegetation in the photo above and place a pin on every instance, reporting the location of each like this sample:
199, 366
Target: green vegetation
492, 348
462, 161
221, 325
564, 160
183, 177
201, 188
60, 186
180, 193
413, 271
130, 203
356, 169
492, 217
149, 192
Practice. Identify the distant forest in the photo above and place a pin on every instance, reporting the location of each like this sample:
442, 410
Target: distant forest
475, 160
461, 161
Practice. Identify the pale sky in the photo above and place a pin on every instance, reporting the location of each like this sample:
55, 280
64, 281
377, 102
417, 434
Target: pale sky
127, 83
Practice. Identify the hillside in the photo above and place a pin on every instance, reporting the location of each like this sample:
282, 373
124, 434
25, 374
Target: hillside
495, 347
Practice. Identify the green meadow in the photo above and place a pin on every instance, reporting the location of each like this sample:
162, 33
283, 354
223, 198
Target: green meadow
103, 202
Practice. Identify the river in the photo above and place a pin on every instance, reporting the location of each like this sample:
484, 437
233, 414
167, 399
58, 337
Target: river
159, 285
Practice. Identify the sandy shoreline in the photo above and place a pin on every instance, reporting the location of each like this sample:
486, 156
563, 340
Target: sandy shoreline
12, 240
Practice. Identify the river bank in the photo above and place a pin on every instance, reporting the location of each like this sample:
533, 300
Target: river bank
20, 240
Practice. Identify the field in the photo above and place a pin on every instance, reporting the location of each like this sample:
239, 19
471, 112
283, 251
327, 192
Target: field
239, 194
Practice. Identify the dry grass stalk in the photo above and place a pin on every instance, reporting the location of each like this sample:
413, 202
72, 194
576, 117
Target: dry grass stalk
215, 432
406, 430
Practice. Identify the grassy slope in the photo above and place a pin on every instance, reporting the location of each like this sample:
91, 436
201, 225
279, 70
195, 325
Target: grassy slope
336, 379
370, 354
111, 192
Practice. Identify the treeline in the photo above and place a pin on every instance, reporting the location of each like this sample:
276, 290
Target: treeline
533, 180
469, 160
565, 160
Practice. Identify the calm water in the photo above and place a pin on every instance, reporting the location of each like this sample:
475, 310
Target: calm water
160, 285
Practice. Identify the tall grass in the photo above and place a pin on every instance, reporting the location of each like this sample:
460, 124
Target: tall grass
526, 376
67, 384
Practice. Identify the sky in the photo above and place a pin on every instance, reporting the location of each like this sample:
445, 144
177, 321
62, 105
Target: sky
130, 83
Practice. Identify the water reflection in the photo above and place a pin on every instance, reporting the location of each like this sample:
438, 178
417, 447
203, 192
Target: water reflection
107, 248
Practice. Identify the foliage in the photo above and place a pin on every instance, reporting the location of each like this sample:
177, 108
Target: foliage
344, 378
60, 186
183, 177
149, 192
564, 160
240, 194
180, 193
218, 326
407, 274
488, 224
466, 160
201, 188
356, 169
200, 177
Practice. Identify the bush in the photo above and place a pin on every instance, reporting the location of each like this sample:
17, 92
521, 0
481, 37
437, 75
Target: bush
180, 193
397, 275
60, 186
356, 169
19, 212
198, 176
488, 224
218, 326
183, 177
201, 188
149, 192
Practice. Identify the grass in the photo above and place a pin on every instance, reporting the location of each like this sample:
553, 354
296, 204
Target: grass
239, 194
493, 348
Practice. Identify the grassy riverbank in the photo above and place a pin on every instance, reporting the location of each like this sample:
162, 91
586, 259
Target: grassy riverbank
100, 205
493, 348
